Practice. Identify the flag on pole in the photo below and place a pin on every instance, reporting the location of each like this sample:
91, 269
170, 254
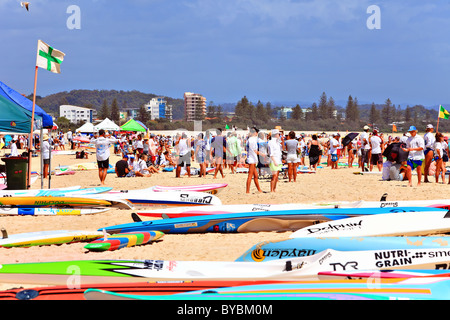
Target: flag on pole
48, 57
394, 128
444, 114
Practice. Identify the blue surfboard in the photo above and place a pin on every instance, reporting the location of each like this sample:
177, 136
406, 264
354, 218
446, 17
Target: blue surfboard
283, 220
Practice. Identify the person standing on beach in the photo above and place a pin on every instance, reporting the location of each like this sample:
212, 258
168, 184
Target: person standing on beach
429, 140
377, 158
102, 145
365, 147
275, 156
218, 150
439, 154
200, 154
234, 150
292, 147
46, 149
415, 146
252, 159
334, 145
184, 155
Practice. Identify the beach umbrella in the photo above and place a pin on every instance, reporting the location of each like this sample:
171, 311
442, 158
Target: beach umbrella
132, 125
348, 138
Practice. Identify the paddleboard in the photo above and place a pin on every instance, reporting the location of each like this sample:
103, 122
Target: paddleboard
53, 192
295, 269
408, 289
35, 192
390, 224
123, 240
76, 292
208, 188
51, 201
4, 211
81, 167
145, 198
237, 208
284, 220
42, 238
301, 247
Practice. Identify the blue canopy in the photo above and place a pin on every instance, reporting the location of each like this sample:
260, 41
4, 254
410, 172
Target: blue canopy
25, 103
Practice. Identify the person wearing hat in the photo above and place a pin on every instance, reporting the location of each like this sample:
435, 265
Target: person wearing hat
46, 154
334, 145
365, 147
102, 145
415, 146
275, 156
429, 140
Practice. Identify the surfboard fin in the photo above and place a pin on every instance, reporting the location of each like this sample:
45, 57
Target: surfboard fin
383, 197
165, 216
135, 217
105, 235
4, 233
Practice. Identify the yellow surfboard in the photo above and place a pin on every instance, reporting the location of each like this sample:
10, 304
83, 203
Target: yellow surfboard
51, 201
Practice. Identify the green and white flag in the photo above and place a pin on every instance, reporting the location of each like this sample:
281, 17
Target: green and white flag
48, 57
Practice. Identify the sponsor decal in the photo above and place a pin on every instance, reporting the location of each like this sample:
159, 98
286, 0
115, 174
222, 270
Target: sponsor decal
186, 198
259, 255
335, 227
185, 225
389, 204
154, 264
224, 227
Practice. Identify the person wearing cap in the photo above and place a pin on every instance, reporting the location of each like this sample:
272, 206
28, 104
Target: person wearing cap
122, 168
365, 147
275, 156
429, 140
415, 146
46, 154
376, 158
252, 159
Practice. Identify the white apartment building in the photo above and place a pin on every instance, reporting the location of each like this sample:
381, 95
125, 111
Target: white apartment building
191, 102
159, 109
76, 114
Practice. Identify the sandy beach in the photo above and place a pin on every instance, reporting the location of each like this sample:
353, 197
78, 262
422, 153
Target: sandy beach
323, 186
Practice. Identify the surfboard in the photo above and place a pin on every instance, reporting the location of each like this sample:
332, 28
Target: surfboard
376, 275
76, 292
146, 198
237, 208
295, 269
390, 224
47, 201
51, 211
301, 247
43, 238
208, 188
408, 289
10, 193
81, 167
123, 240
53, 192
283, 220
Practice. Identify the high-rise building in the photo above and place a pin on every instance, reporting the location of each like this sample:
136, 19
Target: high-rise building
193, 103
158, 108
77, 114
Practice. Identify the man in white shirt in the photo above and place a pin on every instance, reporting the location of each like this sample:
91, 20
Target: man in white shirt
275, 155
102, 145
377, 157
252, 159
365, 146
415, 146
429, 140
184, 155
334, 145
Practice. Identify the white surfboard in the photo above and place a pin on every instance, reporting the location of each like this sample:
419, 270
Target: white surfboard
5, 211
388, 224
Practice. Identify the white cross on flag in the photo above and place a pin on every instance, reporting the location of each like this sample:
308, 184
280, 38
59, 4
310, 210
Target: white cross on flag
48, 57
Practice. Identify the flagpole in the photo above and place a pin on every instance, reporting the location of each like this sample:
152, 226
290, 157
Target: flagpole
30, 145
437, 125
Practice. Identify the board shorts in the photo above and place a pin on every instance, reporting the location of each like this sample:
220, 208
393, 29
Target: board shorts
103, 164
275, 168
376, 158
414, 163
184, 160
427, 150
334, 158
292, 158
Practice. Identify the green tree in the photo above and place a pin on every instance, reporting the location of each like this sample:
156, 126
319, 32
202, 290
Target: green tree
331, 108
104, 111
115, 115
297, 113
407, 114
323, 107
374, 114
269, 111
260, 111
143, 115
314, 112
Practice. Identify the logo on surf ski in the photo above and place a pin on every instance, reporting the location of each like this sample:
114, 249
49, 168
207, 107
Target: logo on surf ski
259, 255
188, 198
336, 227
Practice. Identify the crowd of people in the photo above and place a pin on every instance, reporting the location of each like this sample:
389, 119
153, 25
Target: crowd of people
260, 152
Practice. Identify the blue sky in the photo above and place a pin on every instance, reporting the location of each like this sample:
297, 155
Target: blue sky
268, 50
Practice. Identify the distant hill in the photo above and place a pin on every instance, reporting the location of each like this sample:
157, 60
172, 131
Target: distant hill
94, 99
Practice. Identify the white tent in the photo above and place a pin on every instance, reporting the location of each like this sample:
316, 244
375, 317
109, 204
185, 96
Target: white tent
107, 125
87, 127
